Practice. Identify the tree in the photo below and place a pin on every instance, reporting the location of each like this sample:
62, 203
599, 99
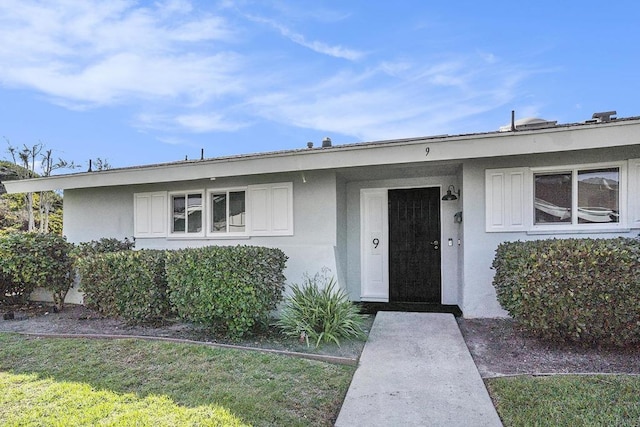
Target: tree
47, 198
26, 160
99, 164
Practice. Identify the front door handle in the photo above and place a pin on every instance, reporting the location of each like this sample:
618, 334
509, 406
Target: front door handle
435, 244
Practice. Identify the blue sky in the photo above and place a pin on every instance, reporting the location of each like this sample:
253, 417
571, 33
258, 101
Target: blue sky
140, 82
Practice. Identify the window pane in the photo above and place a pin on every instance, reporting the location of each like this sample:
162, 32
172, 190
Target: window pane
598, 195
178, 214
553, 198
194, 204
219, 214
237, 211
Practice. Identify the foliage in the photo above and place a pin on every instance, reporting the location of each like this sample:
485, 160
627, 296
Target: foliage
567, 400
317, 311
47, 204
261, 389
231, 288
582, 290
13, 207
103, 246
127, 284
29, 261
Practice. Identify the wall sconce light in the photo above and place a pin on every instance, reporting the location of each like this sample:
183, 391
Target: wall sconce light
450, 194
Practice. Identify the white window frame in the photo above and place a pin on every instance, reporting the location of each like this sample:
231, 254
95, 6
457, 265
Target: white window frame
506, 199
574, 225
209, 215
633, 202
186, 234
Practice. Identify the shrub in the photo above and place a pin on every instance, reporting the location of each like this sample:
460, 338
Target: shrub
30, 260
319, 312
131, 285
582, 290
226, 288
103, 246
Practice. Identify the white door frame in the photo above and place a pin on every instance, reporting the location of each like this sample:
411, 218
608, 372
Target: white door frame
374, 259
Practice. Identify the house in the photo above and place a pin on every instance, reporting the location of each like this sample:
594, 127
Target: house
414, 219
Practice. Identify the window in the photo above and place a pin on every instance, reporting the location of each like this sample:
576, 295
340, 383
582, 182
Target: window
228, 212
578, 196
581, 197
241, 212
186, 217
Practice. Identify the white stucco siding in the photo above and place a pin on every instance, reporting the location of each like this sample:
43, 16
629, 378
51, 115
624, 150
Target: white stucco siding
479, 298
91, 214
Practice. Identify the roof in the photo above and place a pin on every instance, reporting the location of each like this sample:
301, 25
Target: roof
555, 138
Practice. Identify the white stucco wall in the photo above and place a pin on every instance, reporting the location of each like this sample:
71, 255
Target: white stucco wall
479, 298
91, 214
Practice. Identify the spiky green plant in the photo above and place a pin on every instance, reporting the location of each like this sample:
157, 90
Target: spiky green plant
318, 311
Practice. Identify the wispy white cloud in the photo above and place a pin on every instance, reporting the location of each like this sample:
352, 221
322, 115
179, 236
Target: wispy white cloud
96, 53
185, 70
316, 46
199, 122
426, 100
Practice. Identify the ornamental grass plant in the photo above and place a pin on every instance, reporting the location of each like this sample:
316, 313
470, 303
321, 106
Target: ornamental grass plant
317, 311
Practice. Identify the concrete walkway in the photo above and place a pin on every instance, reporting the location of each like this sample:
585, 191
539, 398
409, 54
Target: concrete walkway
416, 370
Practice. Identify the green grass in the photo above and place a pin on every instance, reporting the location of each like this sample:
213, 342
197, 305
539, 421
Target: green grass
115, 382
598, 400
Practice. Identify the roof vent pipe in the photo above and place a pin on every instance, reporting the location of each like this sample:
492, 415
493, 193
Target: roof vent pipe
513, 120
309, 144
326, 142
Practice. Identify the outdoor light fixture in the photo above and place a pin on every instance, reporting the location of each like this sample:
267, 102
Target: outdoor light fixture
450, 195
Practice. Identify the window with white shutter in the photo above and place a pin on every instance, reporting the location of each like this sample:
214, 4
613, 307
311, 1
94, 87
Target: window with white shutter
506, 200
270, 209
150, 214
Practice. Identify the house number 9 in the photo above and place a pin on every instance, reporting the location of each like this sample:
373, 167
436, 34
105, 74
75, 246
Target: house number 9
376, 242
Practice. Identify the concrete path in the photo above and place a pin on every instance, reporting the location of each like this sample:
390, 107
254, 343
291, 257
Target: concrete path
416, 370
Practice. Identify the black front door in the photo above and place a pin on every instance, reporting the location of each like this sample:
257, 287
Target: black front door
414, 245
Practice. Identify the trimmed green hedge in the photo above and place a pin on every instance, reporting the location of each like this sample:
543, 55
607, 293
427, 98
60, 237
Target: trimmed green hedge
582, 290
131, 285
103, 246
229, 288
31, 260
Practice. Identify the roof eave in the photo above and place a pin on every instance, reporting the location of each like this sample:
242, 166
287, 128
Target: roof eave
413, 150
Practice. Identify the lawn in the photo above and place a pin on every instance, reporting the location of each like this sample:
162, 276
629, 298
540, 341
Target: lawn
571, 400
49, 381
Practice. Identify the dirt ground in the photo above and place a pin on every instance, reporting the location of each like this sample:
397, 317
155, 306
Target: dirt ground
497, 346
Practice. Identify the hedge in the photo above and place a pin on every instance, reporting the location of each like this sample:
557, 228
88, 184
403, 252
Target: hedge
582, 290
127, 284
229, 288
32, 260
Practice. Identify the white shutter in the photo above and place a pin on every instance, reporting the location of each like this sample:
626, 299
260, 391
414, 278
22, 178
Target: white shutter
634, 193
506, 199
270, 209
150, 214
